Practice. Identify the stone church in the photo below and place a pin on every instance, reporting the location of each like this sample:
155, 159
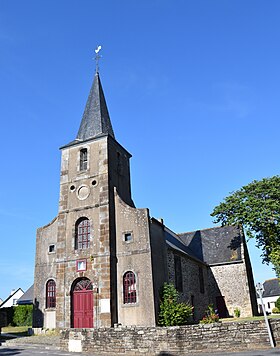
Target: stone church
102, 261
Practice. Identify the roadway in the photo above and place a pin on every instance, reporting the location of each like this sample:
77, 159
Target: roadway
42, 351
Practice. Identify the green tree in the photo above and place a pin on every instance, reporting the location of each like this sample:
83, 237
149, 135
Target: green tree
277, 303
23, 315
256, 207
171, 312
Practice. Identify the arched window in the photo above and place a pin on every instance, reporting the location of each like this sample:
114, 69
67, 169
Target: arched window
82, 285
129, 288
51, 294
83, 159
82, 234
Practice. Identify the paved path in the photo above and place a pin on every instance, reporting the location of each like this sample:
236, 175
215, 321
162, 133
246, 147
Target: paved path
10, 335
36, 350
27, 351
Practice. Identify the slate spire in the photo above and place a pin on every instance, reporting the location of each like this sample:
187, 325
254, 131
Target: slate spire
96, 120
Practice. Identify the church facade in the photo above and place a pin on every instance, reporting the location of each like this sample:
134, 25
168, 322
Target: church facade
102, 261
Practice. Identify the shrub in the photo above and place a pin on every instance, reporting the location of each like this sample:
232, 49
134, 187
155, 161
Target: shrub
23, 315
275, 310
211, 315
171, 312
237, 312
277, 303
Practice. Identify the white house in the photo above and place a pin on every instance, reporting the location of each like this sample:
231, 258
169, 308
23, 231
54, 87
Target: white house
12, 298
270, 295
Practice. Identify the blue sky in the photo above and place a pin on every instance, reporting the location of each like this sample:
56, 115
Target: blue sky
192, 89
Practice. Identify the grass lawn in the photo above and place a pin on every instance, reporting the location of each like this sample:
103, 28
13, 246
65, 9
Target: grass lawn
15, 330
252, 318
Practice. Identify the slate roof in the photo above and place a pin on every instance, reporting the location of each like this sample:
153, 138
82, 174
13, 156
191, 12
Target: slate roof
215, 245
96, 120
175, 242
27, 297
271, 288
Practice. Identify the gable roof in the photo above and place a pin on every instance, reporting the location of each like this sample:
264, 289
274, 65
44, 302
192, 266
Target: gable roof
271, 288
174, 241
27, 297
215, 245
10, 297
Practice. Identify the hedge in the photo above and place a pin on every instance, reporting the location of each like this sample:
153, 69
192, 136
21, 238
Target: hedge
23, 315
19, 315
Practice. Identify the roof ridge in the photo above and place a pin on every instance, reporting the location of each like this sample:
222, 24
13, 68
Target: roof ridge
12, 294
208, 228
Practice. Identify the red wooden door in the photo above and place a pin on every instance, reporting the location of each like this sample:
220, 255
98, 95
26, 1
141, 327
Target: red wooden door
82, 305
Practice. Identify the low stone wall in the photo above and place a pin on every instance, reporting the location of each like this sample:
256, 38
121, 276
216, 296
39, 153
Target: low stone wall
226, 336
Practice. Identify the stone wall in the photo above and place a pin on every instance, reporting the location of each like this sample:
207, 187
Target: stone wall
235, 290
83, 193
45, 269
226, 336
134, 255
159, 258
238, 292
192, 292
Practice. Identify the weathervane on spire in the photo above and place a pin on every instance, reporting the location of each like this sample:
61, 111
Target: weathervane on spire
97, 58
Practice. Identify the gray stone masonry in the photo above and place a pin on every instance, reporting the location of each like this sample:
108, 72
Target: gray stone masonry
191, 286
179, 340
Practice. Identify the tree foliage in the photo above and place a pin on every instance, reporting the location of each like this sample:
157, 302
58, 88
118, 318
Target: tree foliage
23, 315
171, 312
256, 207
277, 303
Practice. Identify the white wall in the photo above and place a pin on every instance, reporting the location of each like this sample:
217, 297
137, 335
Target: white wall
13, 299
269, 303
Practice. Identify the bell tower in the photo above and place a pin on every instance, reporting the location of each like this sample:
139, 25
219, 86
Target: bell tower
91, 167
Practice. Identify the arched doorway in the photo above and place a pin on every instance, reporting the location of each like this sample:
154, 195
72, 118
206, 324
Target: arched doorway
82, 304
